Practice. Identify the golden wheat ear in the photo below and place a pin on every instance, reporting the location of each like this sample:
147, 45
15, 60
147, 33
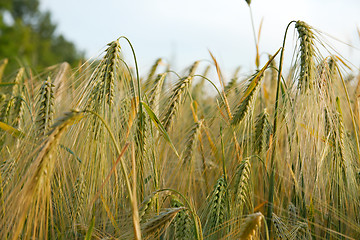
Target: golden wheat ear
250, 225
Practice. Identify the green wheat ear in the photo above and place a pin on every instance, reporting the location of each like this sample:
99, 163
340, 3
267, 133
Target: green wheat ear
291, 229
178, 96
109, 71
239, 187
12, 108
155, 93
5, 115
18, 110
150, 78
233, 82
155, 226
191, 141
104, 76
79, 196
307, 54
182, 227
216, 213
2, 103
248, 99
46, 108
148, 207
263, 130
341, 139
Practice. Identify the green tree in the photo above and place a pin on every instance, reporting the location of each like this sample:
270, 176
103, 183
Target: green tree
28, 36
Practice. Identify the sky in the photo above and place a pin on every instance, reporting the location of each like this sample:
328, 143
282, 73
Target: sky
183, 31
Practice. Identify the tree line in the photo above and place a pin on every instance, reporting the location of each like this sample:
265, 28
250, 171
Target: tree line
28, 37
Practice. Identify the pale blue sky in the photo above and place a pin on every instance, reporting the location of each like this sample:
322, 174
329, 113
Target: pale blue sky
183, 30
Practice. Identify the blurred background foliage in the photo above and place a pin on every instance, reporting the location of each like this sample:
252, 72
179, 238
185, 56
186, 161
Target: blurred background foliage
28, 37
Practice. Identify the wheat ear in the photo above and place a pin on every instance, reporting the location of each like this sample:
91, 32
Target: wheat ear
177, 96
307, 53
217, 210
31, 198
251, 223
156, 225
46, 108
248, 99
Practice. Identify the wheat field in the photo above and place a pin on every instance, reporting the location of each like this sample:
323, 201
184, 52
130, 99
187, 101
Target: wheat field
99, 152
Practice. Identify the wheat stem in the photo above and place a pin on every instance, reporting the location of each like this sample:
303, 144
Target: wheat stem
272, 173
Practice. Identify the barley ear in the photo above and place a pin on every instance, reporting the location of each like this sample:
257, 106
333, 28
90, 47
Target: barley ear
248, 99
146, 208
182, 227
307, 54
12, 107
46, 108
103, 79
216, 212
293, 214
108, 76
251, 223
31, 197
150, 78
155, 92
232, 84
155, 226
281, 230
341, 140
191, 141
239, 187
3, 64
18, 109
263, 130
178, 96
